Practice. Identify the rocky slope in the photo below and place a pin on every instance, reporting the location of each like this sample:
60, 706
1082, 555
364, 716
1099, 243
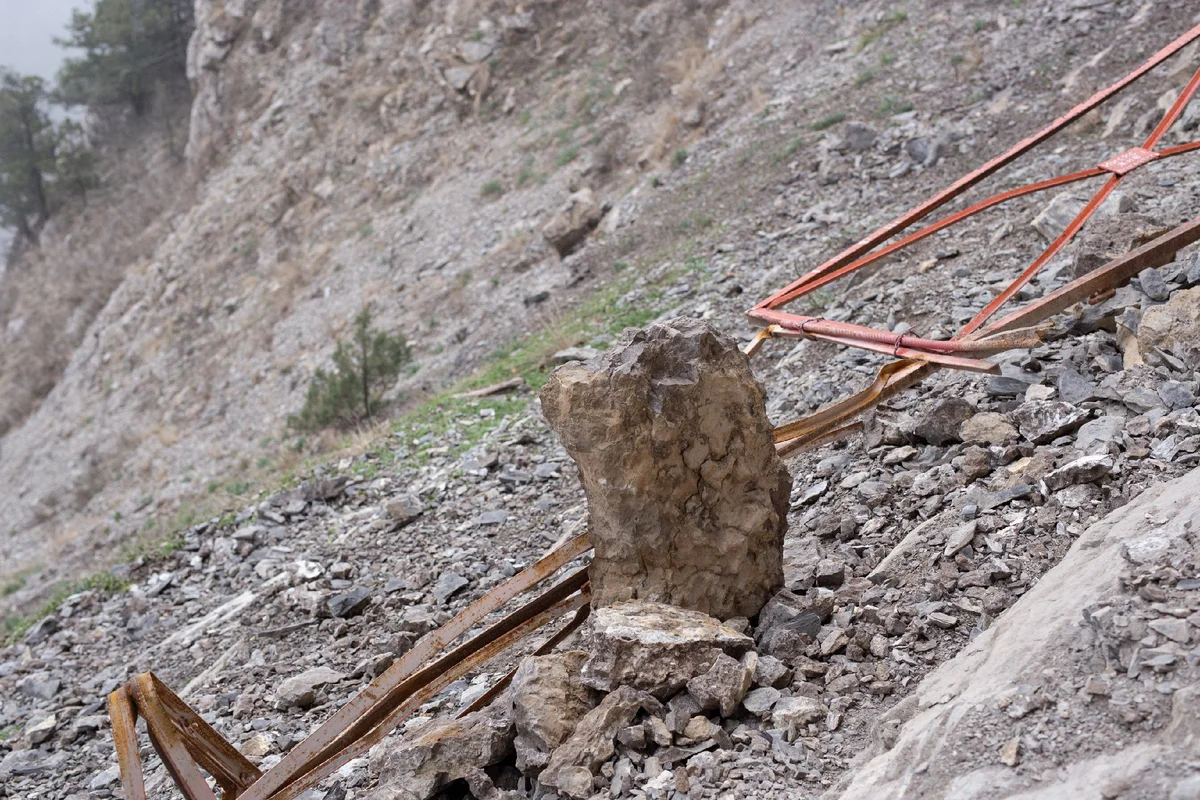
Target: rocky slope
908, 544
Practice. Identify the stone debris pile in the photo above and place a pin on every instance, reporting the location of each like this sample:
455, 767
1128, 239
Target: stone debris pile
657, 702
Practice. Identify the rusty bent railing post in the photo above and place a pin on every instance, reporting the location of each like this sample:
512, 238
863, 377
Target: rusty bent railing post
187, 744
919, 357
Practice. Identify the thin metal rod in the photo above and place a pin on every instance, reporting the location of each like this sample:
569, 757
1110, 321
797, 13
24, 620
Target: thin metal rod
485, 700
352, 712
970, 179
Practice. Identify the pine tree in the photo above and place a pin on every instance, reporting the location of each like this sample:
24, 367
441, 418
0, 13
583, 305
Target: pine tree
128, 45
75, 163
27, 153
363, 368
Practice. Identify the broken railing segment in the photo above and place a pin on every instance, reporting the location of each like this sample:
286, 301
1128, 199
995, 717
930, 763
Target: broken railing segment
897, 376
919, 357
187, 744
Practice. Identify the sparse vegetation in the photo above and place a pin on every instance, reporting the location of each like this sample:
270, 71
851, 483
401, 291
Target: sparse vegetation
491, 189
567, 155
864, 77
16, 625
890, 105
363, 368
678, 157
890, 21
828, 121
526, 174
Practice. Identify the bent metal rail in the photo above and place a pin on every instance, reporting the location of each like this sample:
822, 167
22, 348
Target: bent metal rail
187, 744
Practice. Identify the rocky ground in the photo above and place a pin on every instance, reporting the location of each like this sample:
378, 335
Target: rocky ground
905, 545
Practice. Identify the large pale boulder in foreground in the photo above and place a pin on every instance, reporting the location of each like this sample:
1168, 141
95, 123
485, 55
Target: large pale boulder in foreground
1081, 650
687, 498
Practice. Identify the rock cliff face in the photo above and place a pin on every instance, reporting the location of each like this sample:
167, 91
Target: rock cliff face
687, 500
403, 154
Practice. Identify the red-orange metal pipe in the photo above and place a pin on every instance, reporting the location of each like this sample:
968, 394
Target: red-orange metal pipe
970, 179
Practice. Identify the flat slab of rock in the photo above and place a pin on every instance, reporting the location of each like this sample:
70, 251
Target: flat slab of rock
687, 498
300, 690
1043, 421
655, 647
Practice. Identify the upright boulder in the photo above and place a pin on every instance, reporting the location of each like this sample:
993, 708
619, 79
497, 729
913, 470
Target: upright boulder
687, 498
567, 229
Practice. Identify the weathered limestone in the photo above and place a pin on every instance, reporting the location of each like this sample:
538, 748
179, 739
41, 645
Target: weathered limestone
687, 498
445, 750
1174, 326
655, 647
592, 742
548, 700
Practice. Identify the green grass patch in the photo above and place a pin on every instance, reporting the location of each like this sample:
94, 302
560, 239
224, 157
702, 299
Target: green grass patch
491, 189
17, 625
828, 121
567, 155
889, 106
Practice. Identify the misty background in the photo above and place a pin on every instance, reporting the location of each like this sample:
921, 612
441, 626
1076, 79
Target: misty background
27, 32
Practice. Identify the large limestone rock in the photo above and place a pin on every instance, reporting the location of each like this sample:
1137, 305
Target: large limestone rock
1174, 326
968, 725
655, 647
548, 700
418, 766
687, 498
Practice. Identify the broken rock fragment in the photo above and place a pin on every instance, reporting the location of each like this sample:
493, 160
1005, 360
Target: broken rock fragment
655, 647
724, 685
567, 229
444, 751
548, 700
301, 690
1174, 327
591, 744
687, 498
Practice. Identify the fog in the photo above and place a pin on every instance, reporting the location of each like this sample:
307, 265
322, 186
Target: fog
27, 30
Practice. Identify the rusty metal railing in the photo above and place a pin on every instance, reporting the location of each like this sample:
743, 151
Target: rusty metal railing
920, 357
